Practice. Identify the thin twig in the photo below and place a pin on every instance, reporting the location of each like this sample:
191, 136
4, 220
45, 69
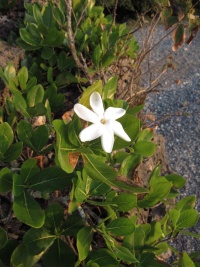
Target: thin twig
83, 67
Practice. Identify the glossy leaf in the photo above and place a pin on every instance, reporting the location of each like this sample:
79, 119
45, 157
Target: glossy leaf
23, 77
5, 180
130, 163
7, 250
125, 202
144, 148
6, 137
103, 257
157, 193
25, 132
28, 38
84, 239
185, 260
37, 240
50, 179
58, 255
20, 257
63, 145
186, 203
72, 225
120, 227
40, 137
13, 152
3, 237
110, 88
28, 211
131, 126
187, 219
102, 172
53, 217
35, 95
20, 103
96, 55
85, 98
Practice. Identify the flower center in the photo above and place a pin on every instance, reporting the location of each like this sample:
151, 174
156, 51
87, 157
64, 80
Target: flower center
103, 121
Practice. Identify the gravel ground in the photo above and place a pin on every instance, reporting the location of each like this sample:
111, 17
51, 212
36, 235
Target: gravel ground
176, 106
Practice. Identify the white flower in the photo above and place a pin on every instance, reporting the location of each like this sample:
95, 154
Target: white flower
104, 122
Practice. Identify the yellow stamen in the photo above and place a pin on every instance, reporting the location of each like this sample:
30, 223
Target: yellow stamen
103, 121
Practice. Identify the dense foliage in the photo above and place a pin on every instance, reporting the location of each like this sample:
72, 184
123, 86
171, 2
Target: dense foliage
72, 203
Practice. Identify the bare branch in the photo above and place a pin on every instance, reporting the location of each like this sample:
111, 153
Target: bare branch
70, 34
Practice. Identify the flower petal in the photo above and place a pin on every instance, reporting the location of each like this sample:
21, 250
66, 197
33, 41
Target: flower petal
107, 139
97, 104
119, 131
114, 113
91, 132
85, 113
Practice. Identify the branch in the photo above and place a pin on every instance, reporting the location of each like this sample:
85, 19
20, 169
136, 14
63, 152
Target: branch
70, 34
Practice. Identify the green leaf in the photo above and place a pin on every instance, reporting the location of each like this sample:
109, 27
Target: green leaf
145, 148
13, 152
103, 257
82, 187
18, 184
177, 180
187, 219
125, 201
7, 250
19, 102
23, 77
58, 255
28, 169
3, 237
72, 225
5, 180
110, 88
124, 254
37, 240
53, 217
186, 203
145, 135
102, 172
47, 52
9, 72
174, 216
84, 239
50, 179
185, 260
28, 39
75, 128
158, 192
38, 18
108, 58
85, 98
130, 163
35, 95
28, 211
120, 227
131, 126
40, 137
54, 37
6, 137
20, 257
96, 55
65, 78
38, 110
190, 234
64, 147
25, 133
155, 233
